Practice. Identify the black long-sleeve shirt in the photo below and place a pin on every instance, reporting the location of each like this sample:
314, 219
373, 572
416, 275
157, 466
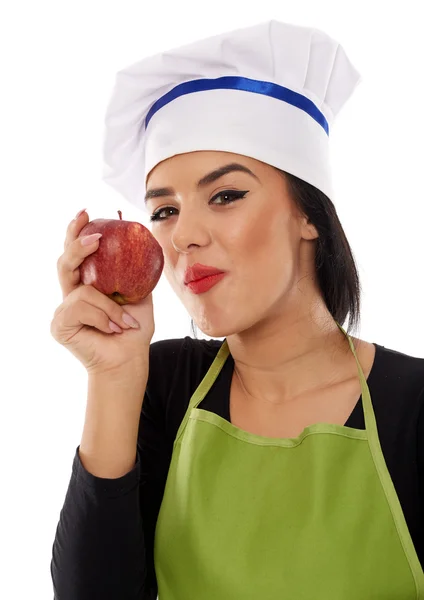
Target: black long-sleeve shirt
103, 547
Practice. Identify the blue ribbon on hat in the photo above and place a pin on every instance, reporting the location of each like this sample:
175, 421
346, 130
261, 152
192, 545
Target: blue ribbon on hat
247, 85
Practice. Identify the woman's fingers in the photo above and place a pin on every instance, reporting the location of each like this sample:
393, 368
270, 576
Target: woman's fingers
75, 226
74, 254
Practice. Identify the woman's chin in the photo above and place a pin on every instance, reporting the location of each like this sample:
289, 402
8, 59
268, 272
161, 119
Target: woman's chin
214, 329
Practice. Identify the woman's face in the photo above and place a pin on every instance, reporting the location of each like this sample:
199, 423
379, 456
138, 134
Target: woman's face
260, 240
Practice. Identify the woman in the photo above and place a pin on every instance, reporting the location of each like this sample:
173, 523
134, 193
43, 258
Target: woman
288, 460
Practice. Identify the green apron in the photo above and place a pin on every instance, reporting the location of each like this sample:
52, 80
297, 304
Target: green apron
247, 517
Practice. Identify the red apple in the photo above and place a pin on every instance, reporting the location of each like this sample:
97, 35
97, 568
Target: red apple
128, 263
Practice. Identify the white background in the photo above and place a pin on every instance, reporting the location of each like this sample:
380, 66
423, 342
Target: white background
58, 64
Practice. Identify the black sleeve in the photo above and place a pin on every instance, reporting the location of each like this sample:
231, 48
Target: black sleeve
103, 548
99, 550
420, 540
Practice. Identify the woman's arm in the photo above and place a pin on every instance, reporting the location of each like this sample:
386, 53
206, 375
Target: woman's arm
104, 539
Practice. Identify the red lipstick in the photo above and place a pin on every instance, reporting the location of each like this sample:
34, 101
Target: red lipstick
200, 278
198, 271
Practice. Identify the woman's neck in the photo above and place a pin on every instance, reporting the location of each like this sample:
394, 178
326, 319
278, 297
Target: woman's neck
285, 360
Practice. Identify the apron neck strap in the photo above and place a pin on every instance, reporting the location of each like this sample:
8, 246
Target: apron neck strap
369, 416
222, 355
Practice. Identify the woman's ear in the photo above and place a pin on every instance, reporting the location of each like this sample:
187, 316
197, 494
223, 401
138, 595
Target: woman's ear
308, 230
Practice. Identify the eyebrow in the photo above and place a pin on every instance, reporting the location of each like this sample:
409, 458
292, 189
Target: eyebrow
204, 181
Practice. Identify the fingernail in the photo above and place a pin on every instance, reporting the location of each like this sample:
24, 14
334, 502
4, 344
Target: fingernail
80, 213
87, 240
114, 327
129, 320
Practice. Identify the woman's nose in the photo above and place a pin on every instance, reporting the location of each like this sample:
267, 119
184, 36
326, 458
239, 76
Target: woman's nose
190, 229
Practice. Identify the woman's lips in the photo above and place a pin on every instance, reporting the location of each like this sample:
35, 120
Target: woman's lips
206, 283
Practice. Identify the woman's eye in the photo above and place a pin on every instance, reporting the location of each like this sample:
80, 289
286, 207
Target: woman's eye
229, 197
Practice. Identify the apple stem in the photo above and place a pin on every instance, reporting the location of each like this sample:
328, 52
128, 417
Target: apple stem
120, 214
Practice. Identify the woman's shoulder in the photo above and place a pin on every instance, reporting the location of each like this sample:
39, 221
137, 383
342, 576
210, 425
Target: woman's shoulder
176, 368
179, 364
177, 348
397, 378
397, 365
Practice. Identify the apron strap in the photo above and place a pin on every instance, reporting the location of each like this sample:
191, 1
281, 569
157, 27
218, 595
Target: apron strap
386, 480
205, 385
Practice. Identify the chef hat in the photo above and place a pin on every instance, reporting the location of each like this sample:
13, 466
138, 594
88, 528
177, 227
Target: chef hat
269, 91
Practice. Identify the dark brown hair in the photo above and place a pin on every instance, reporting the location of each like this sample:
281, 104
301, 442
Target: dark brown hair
335, 266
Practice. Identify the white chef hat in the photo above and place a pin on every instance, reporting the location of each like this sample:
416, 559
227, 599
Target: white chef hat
269, 91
